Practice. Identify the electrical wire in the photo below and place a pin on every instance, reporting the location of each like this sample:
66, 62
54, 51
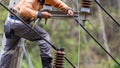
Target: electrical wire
99, 34
97, 42
106, 12
95, 30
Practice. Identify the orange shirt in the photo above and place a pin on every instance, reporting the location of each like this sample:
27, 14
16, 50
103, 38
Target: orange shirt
30, 8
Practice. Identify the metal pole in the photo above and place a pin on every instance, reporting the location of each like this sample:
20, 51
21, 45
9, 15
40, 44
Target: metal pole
26, 54
79, 34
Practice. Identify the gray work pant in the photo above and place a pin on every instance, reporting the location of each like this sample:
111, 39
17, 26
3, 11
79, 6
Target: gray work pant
14, 31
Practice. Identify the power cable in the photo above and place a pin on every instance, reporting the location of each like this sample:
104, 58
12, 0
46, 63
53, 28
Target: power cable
95, 38
106, 12
97, 42
98, 33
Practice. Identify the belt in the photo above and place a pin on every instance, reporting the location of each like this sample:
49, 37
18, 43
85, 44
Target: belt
13, 17
25, 20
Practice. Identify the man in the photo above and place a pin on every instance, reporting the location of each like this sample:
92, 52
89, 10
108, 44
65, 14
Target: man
15, 29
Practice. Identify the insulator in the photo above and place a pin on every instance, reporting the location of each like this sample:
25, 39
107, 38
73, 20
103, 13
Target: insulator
59, 58
47, 7
86, 3
85, 7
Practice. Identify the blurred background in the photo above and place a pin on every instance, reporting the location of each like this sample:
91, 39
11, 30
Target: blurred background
80, 48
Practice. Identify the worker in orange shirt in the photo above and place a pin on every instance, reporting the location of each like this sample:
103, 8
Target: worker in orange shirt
14, 29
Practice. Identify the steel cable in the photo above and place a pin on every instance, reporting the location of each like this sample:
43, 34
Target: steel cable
106, 12
97, 42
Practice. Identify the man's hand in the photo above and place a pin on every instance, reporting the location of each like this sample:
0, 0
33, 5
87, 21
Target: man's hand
44, 15
70, 12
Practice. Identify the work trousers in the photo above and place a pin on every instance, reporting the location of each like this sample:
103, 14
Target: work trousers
14, 31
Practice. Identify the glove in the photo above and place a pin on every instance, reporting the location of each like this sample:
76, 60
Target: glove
70, 12
44, 14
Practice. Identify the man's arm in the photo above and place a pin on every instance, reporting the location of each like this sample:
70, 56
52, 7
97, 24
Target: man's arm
27, 10
31, 9
58, 4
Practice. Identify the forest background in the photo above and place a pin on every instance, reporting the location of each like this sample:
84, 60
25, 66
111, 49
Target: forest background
83, 52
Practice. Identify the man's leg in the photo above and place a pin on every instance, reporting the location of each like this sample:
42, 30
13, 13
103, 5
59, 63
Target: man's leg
45, 54
45, 48
9, 46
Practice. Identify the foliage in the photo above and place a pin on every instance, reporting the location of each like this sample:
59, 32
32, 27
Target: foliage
3, 14
65, 33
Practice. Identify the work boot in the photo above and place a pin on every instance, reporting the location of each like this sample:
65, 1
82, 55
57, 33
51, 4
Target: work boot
46, 62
